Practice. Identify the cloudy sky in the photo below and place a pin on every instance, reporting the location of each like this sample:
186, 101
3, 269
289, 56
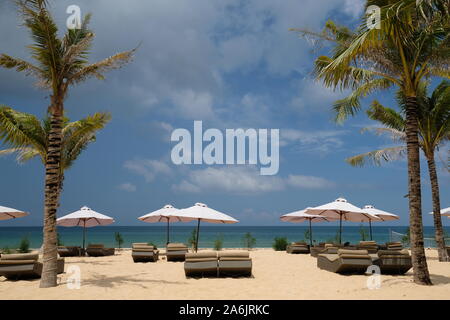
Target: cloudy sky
231, 64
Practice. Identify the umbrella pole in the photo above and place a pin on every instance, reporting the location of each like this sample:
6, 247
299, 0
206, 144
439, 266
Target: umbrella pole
167, 231
370, 228
310, 233
84, 237
198, 232
340, 229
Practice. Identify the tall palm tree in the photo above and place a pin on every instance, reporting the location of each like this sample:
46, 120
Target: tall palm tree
434, 130
60, 63
27, 136
412, 44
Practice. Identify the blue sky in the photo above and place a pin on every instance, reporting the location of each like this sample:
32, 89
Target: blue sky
231, 64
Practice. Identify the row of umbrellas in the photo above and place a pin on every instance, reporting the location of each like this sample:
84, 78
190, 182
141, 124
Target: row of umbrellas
339, 209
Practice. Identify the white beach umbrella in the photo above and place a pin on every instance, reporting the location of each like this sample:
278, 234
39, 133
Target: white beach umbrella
444, 212
379, 215
343, 210
86, 218
201, 212
165, 214
301, 216
9, 213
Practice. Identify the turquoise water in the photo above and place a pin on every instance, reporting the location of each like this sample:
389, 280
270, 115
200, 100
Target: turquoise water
231, 235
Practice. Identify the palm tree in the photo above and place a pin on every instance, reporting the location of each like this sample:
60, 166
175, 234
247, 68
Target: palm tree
27, 136
60, 63
434, 130
412, 44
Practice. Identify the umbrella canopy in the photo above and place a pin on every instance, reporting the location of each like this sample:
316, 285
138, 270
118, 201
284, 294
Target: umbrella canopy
86, 218
161, 215
382, 215
301, 216
444, 212
343, 210
201, 212
9, 213
165, 214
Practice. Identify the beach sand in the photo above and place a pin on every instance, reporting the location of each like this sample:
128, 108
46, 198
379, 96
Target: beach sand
276, 275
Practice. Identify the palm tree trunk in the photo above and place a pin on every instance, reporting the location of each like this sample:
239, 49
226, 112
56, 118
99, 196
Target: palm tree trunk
52, 193
439, 232
419, 261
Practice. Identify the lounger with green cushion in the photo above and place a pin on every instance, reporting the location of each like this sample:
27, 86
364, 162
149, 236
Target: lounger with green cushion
24, 266
297, 247
370, 246
176, 251
345, 261
99, 250
201, 264
393, 261
235, 263
69, 251
394, 246
142, 252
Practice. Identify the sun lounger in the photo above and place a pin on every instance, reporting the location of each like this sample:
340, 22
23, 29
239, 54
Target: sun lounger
393, 261
370, 246
69, 251
316, 250
24, 266
142, 252
235, 263
201, 264
99, 250
297, 247
345, 261
176, 251
394, 246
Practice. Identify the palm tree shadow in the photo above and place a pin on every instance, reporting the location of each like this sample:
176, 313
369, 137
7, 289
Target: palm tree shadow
438, 279
139, 280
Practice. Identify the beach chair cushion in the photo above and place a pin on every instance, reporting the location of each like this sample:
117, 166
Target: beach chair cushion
20, 256
233, 254
96, 246
352, 252
202, 255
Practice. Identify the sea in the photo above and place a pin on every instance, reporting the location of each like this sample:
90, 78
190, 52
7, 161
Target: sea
231, 236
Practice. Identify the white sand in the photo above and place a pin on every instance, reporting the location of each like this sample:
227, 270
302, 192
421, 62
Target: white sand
276, 275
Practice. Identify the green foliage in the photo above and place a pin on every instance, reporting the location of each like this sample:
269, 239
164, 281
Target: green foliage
58, 240
280, 244
218, 243
363, 233
119, 239
24, 245
26, 135
192, 239
249, 241
406, 238
307, 235
6, 250
152, 244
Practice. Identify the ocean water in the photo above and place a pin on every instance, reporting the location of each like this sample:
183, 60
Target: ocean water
232, 236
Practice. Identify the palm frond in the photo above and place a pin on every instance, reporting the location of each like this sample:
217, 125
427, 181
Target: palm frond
350, 105
377, 157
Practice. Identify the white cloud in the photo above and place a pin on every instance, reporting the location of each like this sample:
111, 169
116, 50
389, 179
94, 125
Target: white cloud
319, 142
193, 105
244, 180
129, 187
309, 182
148, 168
